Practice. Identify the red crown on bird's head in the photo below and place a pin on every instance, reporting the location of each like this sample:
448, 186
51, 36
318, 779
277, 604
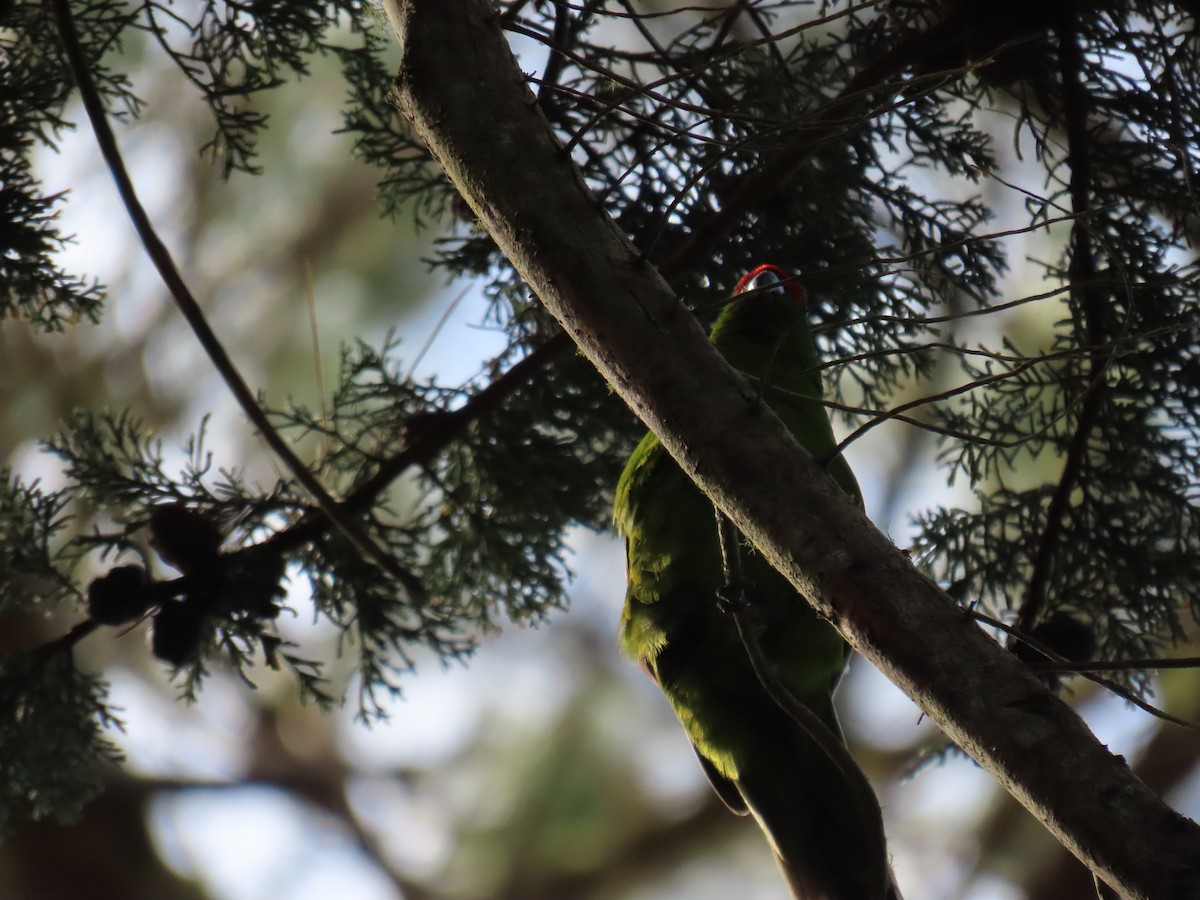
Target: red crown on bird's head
766, 277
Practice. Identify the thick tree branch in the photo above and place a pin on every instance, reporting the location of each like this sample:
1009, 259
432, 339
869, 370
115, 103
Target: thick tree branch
463, 92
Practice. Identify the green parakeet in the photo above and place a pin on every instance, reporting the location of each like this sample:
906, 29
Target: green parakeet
759, 760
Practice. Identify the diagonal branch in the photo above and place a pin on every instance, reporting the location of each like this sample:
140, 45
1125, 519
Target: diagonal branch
623, 315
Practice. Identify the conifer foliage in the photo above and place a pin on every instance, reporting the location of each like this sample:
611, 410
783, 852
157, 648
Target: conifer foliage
858, 144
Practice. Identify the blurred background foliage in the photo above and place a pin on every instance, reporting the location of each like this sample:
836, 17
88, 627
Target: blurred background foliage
531, 762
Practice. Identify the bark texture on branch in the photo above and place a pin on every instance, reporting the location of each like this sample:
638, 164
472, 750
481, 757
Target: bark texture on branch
464, 93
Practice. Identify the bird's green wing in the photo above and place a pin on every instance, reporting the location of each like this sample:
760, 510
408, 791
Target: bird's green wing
757, 757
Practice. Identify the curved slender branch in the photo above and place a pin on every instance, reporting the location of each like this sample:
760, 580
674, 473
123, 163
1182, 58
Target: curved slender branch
190, 308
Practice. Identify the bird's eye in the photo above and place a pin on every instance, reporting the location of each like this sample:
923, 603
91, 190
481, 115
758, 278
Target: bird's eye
766, 280
770, 281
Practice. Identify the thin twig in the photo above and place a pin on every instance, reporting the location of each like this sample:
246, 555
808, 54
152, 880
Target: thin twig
1158, 663
433, 335
1082, 269
1085, 669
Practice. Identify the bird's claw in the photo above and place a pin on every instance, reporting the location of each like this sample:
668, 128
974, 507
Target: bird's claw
732, 596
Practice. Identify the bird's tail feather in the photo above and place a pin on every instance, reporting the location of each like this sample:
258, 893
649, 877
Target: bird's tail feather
826, 846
